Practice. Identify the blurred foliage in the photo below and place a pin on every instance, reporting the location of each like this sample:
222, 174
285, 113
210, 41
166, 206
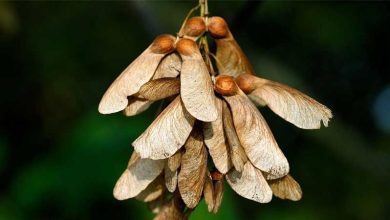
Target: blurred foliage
59, 159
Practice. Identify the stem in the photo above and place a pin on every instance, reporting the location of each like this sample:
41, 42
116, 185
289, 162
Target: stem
204, 8
180, 34
203, 44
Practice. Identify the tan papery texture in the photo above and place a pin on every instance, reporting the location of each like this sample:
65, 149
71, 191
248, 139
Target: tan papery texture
286, 188
167, 133
196, 87
290, 104
193, 169
171, 171
250, 184
139, 72
218, 194
152, 191
214, 139
232, 60
169, 67
256, 137
208, 192
160, 89
137, 176
237, 153
136, 106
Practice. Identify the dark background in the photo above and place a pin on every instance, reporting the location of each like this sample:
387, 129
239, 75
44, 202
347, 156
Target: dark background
59, 158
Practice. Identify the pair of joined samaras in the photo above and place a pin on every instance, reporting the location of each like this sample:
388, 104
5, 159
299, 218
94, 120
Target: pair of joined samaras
159, 62
252, 131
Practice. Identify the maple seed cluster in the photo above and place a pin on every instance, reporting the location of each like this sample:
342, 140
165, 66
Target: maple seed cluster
209, 113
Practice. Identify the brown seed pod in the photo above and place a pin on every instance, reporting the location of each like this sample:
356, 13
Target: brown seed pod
216, 175
194, 27
217, 27
225, 85
246, 83
186, 47
232, 60
164, 43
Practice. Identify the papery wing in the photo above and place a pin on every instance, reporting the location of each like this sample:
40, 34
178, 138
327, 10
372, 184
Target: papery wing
193, 170
129, 82
196, 88
160, 89
256, 137
136, 106
250, 184
167, 133
214, 139
137, 176
292, 105
208, 192
286, 188
218, 194
152, 191
171, 171
237, 153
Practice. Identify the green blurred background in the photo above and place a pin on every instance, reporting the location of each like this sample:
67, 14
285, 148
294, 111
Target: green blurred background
59, 158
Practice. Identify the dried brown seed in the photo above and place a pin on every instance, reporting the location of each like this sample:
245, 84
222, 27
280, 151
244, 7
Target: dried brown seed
216, 175
237, 153
246, 83
208, 192
225, 85
193, 170
256, 137
167, 133
286, 188
218, 194
130, 80
215, 141
196, 87
217, 27
186, 47
163, 44
152, 191
250, 184
194, 27
137, 176
160, 89
290, 104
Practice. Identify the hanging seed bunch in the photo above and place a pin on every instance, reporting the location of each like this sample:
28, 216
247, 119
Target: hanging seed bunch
211, 130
